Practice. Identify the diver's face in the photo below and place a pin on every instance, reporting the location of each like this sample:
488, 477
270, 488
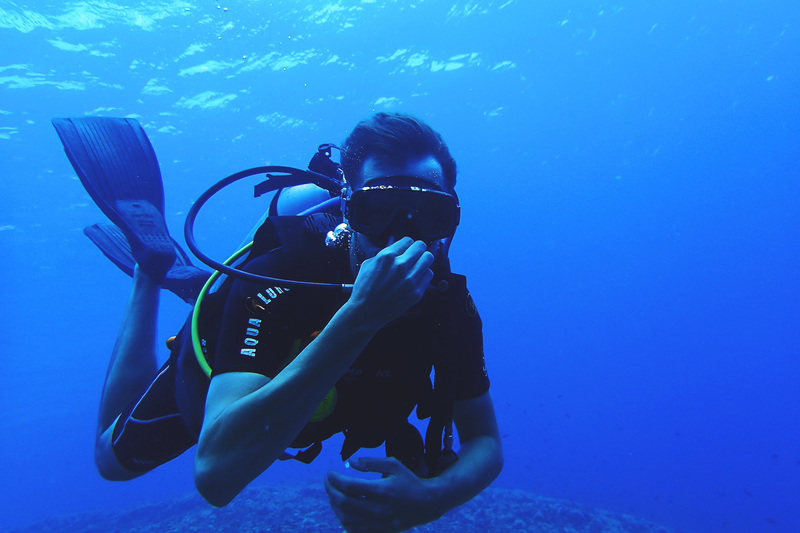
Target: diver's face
425, 172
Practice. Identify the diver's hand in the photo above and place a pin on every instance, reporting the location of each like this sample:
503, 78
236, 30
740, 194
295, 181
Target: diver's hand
392, 281
396, 502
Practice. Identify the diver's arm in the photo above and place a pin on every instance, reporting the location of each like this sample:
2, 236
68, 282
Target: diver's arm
249, 419
480, 457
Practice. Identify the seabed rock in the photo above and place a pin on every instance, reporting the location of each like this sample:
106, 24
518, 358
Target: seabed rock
305, 508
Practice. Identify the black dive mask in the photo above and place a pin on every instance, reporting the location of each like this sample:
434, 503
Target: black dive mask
383, 210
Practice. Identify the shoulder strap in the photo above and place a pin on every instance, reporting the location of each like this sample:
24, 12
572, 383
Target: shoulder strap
302, 240
439, 435
292, 232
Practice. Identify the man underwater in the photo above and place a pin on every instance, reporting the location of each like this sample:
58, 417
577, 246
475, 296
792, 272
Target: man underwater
294, 365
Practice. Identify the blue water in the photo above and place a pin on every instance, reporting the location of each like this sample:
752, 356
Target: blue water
630, 185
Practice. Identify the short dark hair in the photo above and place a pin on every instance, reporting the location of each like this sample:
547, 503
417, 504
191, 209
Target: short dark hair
394, 137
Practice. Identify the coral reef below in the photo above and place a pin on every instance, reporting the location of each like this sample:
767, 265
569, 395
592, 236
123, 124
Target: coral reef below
303, 508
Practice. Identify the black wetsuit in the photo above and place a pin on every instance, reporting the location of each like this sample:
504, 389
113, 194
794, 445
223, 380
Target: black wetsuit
252, 328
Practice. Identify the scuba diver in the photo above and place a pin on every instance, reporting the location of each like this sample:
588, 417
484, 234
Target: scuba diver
330, 321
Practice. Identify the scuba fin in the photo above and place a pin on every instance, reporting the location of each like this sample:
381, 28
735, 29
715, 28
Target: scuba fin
117, 166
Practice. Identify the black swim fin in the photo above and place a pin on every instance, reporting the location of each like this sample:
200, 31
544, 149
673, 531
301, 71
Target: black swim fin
118, 168
183, 279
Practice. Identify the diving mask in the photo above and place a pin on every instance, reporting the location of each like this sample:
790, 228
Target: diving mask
423, 214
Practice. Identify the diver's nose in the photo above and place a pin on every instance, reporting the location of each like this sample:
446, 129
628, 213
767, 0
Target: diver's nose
402, 226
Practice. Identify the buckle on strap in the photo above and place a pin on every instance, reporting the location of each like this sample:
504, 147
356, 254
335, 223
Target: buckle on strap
304, 456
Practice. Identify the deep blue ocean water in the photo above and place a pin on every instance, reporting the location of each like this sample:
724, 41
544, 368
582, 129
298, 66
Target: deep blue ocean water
630, 183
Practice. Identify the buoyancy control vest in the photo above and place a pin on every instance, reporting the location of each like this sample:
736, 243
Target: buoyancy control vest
301, 240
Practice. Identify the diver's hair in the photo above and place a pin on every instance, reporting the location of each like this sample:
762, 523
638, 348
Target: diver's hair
394, 138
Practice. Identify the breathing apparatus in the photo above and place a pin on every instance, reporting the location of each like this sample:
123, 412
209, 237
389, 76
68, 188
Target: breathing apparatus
424, 214
322, 172
376, 211
430, 216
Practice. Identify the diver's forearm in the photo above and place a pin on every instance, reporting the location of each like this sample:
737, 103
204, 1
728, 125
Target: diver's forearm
480, 462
